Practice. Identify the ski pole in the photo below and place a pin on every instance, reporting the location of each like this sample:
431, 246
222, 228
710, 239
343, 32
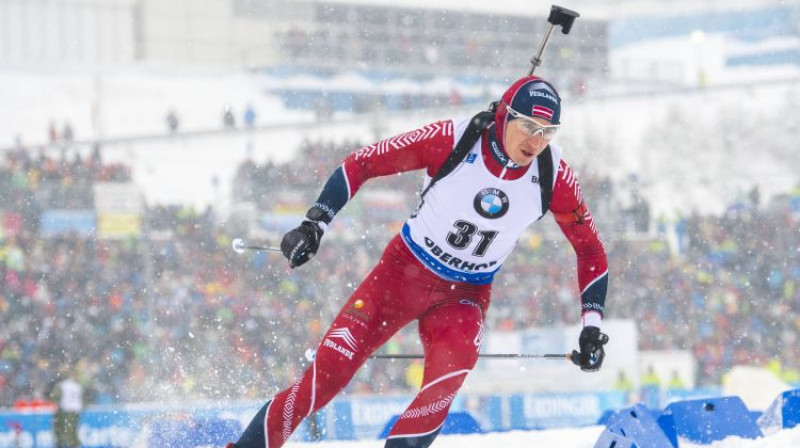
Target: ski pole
485, 355
311, 354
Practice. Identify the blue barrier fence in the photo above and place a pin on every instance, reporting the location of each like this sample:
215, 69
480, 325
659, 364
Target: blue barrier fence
343, 419
699, 420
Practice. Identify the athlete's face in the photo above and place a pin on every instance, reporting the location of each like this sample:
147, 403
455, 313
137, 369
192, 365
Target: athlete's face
522, 144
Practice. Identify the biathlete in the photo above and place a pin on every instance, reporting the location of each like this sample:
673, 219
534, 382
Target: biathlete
440, 268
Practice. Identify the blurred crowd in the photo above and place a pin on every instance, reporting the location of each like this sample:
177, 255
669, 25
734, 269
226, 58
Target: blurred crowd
34, 182
178, 314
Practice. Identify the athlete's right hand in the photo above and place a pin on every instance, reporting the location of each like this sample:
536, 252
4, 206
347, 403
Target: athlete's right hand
591, 342
301, 244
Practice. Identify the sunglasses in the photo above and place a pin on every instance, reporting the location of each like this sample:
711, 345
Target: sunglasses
531, 127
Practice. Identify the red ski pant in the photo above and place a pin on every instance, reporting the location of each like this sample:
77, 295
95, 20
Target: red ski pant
398, 290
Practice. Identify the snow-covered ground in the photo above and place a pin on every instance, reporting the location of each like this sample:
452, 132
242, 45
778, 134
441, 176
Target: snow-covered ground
564, 438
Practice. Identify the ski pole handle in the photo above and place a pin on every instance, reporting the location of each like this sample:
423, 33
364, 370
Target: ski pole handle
239, 247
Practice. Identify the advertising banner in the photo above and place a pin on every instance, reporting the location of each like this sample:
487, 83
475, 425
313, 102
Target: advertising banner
59, 222
117, 197
118, 225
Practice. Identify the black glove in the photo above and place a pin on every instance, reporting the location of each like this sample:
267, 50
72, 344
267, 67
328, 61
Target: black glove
301, 244
591, 342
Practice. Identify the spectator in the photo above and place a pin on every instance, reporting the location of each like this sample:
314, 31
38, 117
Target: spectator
172, 121
414, 374
651, 388
624, 384
228, 119
676, 382
52, 133
249, 116
68, 395
67, 134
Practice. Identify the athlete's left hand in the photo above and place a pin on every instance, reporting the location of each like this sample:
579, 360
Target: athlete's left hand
591, 342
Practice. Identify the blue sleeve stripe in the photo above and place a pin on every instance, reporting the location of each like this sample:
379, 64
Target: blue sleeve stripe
335, 194
593, 297
602, 276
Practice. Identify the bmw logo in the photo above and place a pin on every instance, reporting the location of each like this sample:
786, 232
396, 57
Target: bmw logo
491, 203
